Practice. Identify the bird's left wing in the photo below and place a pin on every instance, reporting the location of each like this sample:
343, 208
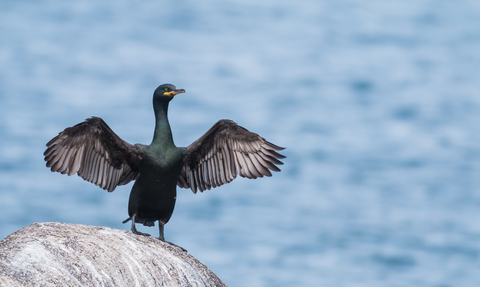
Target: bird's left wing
225, 151
95, 152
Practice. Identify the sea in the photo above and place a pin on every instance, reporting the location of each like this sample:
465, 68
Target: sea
376, 102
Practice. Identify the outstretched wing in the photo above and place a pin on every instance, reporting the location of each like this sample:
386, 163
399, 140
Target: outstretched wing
225, 151
95, 152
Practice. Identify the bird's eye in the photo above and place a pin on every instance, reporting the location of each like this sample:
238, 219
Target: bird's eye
166, 89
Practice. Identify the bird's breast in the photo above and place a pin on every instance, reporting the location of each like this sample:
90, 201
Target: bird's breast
169, 161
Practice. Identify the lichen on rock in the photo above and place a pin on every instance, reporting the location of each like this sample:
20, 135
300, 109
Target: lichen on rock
60, 254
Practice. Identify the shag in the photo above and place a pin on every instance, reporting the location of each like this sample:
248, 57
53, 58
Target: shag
93, 151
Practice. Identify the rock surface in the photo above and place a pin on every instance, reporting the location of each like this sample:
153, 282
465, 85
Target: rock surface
59, 254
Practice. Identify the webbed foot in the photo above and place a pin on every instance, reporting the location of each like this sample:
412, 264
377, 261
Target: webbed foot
140, 233
134, 229
183, 249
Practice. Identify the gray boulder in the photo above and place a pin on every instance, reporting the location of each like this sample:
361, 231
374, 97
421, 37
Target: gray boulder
59, 254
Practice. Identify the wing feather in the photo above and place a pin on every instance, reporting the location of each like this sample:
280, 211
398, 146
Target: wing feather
77, 162
93, 151
225, 151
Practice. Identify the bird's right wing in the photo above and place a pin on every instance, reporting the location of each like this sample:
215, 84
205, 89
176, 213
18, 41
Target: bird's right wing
95, 152
225, 151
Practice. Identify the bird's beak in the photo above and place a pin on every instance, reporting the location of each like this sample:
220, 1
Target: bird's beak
171, 94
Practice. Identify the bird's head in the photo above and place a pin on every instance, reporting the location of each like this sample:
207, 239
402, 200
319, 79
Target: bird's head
166, 92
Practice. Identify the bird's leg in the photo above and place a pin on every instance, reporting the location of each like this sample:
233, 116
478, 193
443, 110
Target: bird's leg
162, 236
161, 227
134, 229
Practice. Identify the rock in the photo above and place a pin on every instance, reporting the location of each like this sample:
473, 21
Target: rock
59, 254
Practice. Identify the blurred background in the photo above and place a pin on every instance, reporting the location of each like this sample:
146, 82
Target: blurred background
377, 102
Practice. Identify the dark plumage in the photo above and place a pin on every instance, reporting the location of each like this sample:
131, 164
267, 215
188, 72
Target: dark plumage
93, 151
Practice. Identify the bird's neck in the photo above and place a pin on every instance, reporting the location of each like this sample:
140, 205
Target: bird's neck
162, 137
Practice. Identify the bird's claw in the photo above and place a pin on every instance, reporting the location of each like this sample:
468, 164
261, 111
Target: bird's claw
140, 233
183, 249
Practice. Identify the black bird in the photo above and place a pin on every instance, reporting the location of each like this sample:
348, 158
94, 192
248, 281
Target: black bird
93, 151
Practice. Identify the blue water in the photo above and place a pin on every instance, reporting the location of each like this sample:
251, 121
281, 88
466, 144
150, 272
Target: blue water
377, 102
